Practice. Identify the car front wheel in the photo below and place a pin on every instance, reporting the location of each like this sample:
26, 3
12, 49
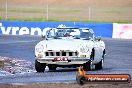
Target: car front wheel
88, 66
99, 65
40, 67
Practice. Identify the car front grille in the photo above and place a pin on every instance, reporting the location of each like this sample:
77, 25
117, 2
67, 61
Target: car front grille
61, 53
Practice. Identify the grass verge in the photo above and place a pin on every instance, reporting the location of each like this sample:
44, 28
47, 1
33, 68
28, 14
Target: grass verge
58, 20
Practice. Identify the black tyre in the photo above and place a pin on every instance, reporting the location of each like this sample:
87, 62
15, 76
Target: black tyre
103, 55
88, 66
92, 54
99, 65
52, 67
40, 67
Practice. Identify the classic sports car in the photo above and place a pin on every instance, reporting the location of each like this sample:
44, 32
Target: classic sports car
69, 47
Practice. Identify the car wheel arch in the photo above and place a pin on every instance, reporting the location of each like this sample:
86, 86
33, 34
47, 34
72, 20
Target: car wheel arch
92, 54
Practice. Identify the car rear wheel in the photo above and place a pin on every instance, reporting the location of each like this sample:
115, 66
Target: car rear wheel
103, 55
40, 67
52, 67
99, 65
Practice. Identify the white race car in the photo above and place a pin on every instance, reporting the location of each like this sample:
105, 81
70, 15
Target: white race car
70, 47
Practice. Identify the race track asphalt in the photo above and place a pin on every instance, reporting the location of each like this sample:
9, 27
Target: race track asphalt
117, 61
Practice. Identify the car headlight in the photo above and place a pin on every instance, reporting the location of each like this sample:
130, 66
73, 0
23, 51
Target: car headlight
84, 49
39, 48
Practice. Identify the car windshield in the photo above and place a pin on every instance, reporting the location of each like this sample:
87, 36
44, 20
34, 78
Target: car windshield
86, 34
74, 33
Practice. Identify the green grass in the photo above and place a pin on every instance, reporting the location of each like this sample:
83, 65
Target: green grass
57, 20
38, 10
64, 10
67, 14
22, 10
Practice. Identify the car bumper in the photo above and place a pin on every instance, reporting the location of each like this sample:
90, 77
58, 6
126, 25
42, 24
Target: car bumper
71, 61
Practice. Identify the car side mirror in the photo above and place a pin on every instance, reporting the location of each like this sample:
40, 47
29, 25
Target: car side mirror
98, 38
44, 37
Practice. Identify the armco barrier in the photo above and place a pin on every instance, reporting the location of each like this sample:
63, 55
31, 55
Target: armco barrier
35, 28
